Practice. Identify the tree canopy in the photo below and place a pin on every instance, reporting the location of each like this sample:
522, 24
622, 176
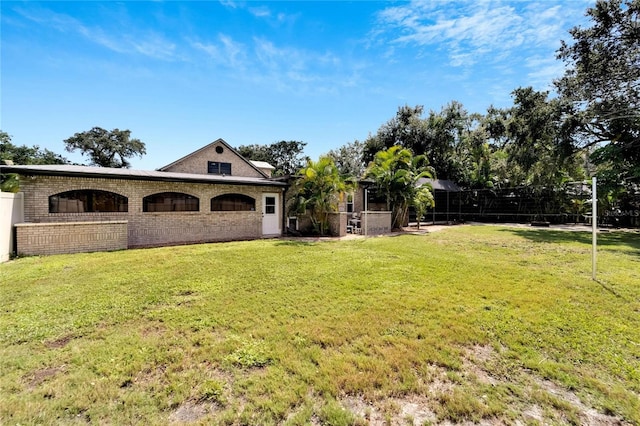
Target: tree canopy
106, 148
286, 156
407, 129
531, 138
349, 159
23, 155
27, 154
601, 86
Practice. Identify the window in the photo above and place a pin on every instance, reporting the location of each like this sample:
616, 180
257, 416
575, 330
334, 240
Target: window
87, 201
170, 202
217, 168
233, 203
270, 205
349, 203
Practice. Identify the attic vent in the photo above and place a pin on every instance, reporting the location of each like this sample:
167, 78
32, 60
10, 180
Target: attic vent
219, 149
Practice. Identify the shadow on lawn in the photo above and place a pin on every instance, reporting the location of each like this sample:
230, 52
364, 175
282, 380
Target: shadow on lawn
295, 243
608, 240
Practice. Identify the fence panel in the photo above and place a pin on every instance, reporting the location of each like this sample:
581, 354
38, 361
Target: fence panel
11, 212
570, 204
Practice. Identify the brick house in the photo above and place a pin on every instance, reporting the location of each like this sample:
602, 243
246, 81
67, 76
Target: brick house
212, 194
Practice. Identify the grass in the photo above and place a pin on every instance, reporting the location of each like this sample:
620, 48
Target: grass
467, 324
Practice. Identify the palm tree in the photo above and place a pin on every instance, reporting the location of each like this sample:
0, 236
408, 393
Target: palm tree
318, 189
396, 172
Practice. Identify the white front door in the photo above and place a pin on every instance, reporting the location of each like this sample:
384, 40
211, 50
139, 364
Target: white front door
270, 214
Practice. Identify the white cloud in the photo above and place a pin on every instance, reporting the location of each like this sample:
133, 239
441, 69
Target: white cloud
225, 51
284, 68
153, 46
234, 51
484, 31
283, 60
124, 41
229, 3
260, 11
301, 71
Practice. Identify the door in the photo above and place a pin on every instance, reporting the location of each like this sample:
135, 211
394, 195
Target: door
270, 214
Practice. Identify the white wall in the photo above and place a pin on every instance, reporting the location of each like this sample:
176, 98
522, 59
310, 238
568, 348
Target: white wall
11, 212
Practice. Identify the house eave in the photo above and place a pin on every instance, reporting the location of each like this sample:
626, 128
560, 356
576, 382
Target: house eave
141, 176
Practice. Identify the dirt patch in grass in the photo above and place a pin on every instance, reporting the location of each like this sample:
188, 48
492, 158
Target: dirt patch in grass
559, 405
478, 359
409, 409
588, 415
59, 343
412, 409
40, 376
475, 360
153, 330
151, 375
191, 411
206, 400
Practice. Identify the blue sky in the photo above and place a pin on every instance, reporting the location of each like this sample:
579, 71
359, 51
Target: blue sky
182, 74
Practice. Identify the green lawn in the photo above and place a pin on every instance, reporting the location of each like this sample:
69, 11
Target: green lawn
501, 325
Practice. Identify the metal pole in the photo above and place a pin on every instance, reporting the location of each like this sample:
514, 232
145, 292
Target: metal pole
447, 207
594, 227
366, 199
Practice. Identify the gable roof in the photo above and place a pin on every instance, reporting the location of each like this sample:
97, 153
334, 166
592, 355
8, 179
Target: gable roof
204, 148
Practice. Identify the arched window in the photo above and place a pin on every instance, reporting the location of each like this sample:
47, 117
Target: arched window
87, 201
170, 202
233, 203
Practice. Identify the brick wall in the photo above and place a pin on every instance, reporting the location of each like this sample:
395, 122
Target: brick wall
157, 228
72, 237
338, 224
375, 223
